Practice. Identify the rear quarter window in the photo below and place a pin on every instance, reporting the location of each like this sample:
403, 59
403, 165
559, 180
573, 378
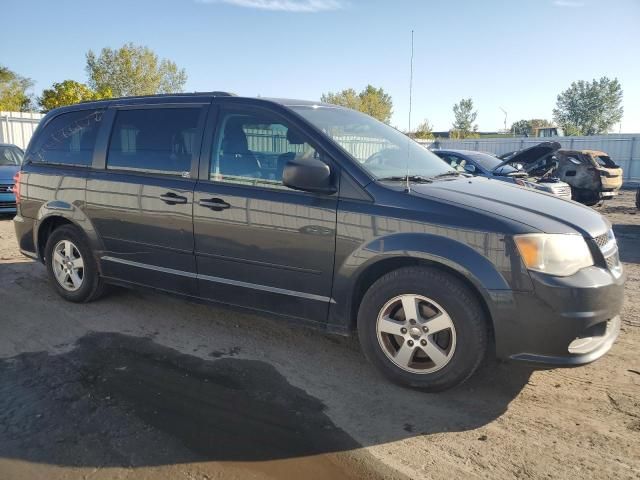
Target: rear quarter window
68, 139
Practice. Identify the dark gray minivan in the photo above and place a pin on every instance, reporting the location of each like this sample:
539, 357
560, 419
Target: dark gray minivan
323, 215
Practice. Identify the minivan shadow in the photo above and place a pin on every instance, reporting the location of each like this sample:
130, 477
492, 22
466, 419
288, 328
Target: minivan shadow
125, 400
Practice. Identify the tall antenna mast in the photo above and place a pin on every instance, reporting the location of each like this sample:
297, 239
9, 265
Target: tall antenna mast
410, 104
505, 118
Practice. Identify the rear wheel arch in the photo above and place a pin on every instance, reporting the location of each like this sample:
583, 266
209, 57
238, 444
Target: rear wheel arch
46, 228
48, 225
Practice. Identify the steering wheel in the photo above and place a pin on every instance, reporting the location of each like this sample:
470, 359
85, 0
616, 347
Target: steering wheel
384, 157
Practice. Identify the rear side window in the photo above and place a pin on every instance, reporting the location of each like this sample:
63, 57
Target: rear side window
68, 139
159, 140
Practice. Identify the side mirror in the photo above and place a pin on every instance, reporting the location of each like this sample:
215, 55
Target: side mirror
309, 175
470, 168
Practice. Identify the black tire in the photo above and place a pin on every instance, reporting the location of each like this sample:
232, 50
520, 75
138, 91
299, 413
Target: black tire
92, 286
459, 302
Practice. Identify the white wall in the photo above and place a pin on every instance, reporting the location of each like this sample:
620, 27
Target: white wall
18, 127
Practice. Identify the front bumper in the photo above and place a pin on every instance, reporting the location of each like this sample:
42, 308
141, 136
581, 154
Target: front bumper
609, 194
565, 321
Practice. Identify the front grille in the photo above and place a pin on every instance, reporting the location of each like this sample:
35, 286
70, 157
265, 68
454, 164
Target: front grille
613, 261
7, 204
607, 245
562, 191
602, 240
6, 188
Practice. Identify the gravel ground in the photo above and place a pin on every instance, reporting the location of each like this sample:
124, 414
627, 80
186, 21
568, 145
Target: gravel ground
142, 385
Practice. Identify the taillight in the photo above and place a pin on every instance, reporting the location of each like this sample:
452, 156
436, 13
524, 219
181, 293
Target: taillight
16, 186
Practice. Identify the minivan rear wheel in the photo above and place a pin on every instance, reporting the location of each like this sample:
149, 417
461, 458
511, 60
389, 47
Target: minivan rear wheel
423, 328
71, 266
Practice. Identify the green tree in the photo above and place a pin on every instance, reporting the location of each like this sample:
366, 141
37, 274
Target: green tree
133, 70
346, 98
372, 101
13, 91
424, 131
589, 108
528, 127
464, 118
68, 92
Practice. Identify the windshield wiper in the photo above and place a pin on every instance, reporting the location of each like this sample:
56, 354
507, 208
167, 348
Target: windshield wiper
404, 178
447, 174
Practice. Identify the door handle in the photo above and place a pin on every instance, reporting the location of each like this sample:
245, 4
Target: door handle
216, 204
171, 198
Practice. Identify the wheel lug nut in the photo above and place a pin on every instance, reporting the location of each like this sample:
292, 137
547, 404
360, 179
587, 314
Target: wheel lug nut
425, 329
423, 343
412, 321
403, 330
410, 343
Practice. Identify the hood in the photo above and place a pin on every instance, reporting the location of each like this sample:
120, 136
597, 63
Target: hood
540, 211
531, 154
7, 172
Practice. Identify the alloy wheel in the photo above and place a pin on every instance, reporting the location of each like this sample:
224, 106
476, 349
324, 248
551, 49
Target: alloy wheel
68, 265
416, 334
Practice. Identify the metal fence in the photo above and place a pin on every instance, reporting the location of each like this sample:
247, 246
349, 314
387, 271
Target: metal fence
624, 149
18, 127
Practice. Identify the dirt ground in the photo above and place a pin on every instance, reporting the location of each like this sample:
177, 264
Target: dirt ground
142, 385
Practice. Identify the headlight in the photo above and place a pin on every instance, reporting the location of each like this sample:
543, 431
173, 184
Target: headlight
558, 254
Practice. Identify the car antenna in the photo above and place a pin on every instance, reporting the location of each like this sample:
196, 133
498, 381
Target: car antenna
408, 187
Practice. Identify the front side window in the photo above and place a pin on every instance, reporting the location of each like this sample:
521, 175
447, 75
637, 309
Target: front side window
158, 140
380, 149
68, 139
253, 149
454, 161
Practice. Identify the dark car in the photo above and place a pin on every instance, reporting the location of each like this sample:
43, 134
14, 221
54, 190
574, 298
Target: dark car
513, 170
322, 215
10, 161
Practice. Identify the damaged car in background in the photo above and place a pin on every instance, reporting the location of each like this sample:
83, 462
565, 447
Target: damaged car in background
513, 170
592, 175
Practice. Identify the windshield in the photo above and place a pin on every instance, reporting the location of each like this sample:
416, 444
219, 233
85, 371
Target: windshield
10, 155
604, 161
380, 149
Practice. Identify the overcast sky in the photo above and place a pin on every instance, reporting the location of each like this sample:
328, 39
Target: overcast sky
515, 55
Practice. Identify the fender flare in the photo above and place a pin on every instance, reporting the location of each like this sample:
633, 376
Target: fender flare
71, 213
446, 252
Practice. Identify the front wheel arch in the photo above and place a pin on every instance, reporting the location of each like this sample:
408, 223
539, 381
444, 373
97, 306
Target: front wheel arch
377, 270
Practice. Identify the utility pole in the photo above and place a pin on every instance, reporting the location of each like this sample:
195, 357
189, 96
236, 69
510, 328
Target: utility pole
505, 118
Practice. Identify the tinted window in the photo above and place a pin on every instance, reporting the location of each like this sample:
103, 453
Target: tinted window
157, 139
253, 149
11, 156
68, 139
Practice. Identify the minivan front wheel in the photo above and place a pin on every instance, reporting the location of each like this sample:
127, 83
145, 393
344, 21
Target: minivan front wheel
71, 265
422, 328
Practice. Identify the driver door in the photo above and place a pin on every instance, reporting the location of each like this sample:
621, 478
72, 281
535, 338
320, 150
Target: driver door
259, 243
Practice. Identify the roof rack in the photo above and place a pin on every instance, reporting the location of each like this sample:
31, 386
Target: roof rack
181, 94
